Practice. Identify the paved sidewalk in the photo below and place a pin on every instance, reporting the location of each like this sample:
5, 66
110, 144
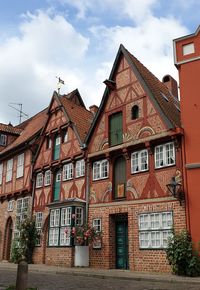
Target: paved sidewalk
111, 273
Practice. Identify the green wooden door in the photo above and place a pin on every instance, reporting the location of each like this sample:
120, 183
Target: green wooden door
115, 129
56, 149
122, 245
120, 177
56, 186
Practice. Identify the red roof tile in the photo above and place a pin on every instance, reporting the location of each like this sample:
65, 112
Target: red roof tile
10, 129
81, 117
32, 127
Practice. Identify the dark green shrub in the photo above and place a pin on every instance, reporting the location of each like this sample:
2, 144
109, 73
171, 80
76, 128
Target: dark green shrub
181, 256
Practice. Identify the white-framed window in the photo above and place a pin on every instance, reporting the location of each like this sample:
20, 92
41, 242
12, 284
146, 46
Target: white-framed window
58, 140
100, 169
49, 142
53, 236
1, 173
164, 155
155, 229
21, 213
20, 165
9, 169
79, 216
10, 205
3, 140
80, 168
39, 180
60, 227
38, 225
68, 171
66, 216
96, 224
188, 48
47, 177
139, 161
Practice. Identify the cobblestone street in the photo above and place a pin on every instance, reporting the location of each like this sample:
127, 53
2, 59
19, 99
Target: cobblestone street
67, 281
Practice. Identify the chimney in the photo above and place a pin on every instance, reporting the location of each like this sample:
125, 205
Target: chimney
93, 109
171, 84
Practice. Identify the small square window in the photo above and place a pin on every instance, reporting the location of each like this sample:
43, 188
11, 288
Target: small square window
10, 205
188, 48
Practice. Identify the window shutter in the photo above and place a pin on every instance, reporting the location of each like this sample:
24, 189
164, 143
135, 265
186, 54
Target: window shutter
116, 130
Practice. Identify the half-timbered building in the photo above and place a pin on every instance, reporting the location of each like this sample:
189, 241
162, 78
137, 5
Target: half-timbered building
60, 178
134, 150
19, 147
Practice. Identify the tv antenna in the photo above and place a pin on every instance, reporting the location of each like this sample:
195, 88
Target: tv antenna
21, 113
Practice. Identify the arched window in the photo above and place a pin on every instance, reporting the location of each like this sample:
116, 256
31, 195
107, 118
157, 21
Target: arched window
135, 112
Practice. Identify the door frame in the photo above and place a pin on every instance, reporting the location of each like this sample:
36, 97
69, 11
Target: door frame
122, 219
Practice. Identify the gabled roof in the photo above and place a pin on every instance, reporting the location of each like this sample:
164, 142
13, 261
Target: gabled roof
10, 129
32, 127
157, 89
75, 97
78, 115
167, 107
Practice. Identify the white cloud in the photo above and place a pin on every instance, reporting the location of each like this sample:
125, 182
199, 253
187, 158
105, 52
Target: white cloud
47, 46
134, 9
150, 42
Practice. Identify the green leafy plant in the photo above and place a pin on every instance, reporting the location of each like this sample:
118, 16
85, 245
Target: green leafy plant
182, 257
23, 246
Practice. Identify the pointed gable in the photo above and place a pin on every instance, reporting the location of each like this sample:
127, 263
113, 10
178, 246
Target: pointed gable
133, 81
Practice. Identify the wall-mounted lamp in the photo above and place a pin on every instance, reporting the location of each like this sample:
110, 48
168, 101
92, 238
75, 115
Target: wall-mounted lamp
176, 189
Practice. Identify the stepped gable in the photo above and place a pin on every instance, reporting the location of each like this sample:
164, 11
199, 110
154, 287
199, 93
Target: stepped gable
8, 128
31, 127
167, 102
79, 115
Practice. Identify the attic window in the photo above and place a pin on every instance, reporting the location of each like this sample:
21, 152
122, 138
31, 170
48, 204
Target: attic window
188, 48
3, 140
165, 97
135, 112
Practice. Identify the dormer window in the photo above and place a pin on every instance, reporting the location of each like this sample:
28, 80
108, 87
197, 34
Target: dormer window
3, 140
135, 112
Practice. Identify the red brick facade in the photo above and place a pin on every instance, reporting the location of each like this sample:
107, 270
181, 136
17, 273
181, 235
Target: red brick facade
123, 186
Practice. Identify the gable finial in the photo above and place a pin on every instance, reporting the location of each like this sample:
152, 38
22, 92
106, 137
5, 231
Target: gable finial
59, 84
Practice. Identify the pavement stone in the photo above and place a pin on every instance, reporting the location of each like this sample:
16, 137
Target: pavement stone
103, 273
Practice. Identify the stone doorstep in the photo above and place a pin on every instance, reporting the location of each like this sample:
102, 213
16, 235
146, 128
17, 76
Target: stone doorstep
110, 273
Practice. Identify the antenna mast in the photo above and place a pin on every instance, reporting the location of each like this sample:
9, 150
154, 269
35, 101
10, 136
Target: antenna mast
21, 113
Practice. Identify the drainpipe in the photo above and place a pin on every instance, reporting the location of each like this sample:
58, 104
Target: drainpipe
87, 189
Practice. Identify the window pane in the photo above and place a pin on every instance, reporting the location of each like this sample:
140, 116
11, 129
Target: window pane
65, 236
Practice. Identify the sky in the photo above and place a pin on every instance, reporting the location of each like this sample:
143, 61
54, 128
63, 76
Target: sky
77, 40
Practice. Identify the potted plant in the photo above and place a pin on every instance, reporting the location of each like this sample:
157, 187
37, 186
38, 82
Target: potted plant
83, 236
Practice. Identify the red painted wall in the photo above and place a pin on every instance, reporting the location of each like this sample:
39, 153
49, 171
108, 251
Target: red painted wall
189, 72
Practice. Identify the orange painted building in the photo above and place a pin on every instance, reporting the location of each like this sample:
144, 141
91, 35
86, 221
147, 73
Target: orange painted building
187, 61
134, 151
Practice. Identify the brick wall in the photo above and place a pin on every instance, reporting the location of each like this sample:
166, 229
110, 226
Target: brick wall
139, 259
